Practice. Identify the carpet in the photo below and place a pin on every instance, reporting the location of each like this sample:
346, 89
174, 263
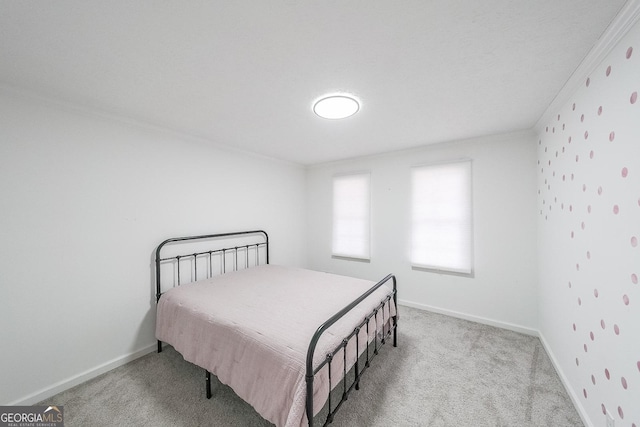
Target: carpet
444, 372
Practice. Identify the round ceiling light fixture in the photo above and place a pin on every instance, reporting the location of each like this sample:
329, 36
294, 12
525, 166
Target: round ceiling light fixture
336, 106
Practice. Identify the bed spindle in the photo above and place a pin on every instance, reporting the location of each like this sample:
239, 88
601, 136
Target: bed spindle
330, 414
344, 369
357, 369
375, 338
178, 262
210, 265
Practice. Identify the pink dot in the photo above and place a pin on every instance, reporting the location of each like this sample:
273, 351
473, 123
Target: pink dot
606, 374
612, 136
578, 269
588, 81
629, 52
593, 379
638, 365
625, 299
579, 301
582, 225
570, 208
600, 110
624, 382
572, 234
584, 391
570, 288
634, 241
592, 336
616, 329
585, 348
574, 106
599, 191
586, 134
577, 362
582, 118
624, 172
634, 278
591, 154
569, 140
634, 97
577, 158
595, 293
620, 413
574, 326
602, 323
584, 187
608, 71
589, 209
616, 209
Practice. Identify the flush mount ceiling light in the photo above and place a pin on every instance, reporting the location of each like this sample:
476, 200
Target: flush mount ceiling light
336, 106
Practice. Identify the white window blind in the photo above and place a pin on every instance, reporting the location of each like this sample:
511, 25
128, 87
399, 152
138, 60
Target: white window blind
351, 216
442, 217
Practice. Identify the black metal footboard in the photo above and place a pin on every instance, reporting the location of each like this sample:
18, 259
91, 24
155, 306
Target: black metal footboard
388, 326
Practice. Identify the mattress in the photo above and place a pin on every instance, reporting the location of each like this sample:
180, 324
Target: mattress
251, 328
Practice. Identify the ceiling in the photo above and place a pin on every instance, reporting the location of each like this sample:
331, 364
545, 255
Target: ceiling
245, 73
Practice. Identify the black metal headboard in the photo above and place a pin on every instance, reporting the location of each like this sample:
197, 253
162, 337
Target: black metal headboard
240, 249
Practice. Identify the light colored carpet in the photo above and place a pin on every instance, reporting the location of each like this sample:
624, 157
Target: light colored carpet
444, 372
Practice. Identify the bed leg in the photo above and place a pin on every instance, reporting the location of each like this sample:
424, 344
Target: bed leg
395, 332
159, 346
208, 383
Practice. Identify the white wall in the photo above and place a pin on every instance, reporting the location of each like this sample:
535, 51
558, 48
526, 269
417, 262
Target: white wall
85, 200
503, 291
588, 216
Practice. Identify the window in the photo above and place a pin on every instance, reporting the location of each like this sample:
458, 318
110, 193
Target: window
351, 216
441, 217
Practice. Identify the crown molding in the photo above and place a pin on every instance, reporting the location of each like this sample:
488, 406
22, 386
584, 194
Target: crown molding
626, 18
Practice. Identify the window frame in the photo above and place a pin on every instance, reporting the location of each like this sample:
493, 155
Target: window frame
339, 252
468, 230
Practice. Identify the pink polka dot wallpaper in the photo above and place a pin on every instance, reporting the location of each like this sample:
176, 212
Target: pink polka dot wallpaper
589, 227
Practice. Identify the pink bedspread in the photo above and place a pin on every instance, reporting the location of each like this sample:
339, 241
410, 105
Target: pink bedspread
252, 328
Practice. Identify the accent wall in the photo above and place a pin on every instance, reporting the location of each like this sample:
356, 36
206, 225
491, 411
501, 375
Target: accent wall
589, 229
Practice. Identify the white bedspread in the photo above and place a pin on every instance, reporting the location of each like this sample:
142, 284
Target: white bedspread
252, 328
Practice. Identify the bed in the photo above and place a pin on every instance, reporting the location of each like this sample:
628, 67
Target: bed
291, 342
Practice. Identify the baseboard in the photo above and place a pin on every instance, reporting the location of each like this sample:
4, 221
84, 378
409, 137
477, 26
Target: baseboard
477, 319
63, 385
563, 379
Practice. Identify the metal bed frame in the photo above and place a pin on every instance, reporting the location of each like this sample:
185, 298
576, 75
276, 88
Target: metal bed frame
261, 240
